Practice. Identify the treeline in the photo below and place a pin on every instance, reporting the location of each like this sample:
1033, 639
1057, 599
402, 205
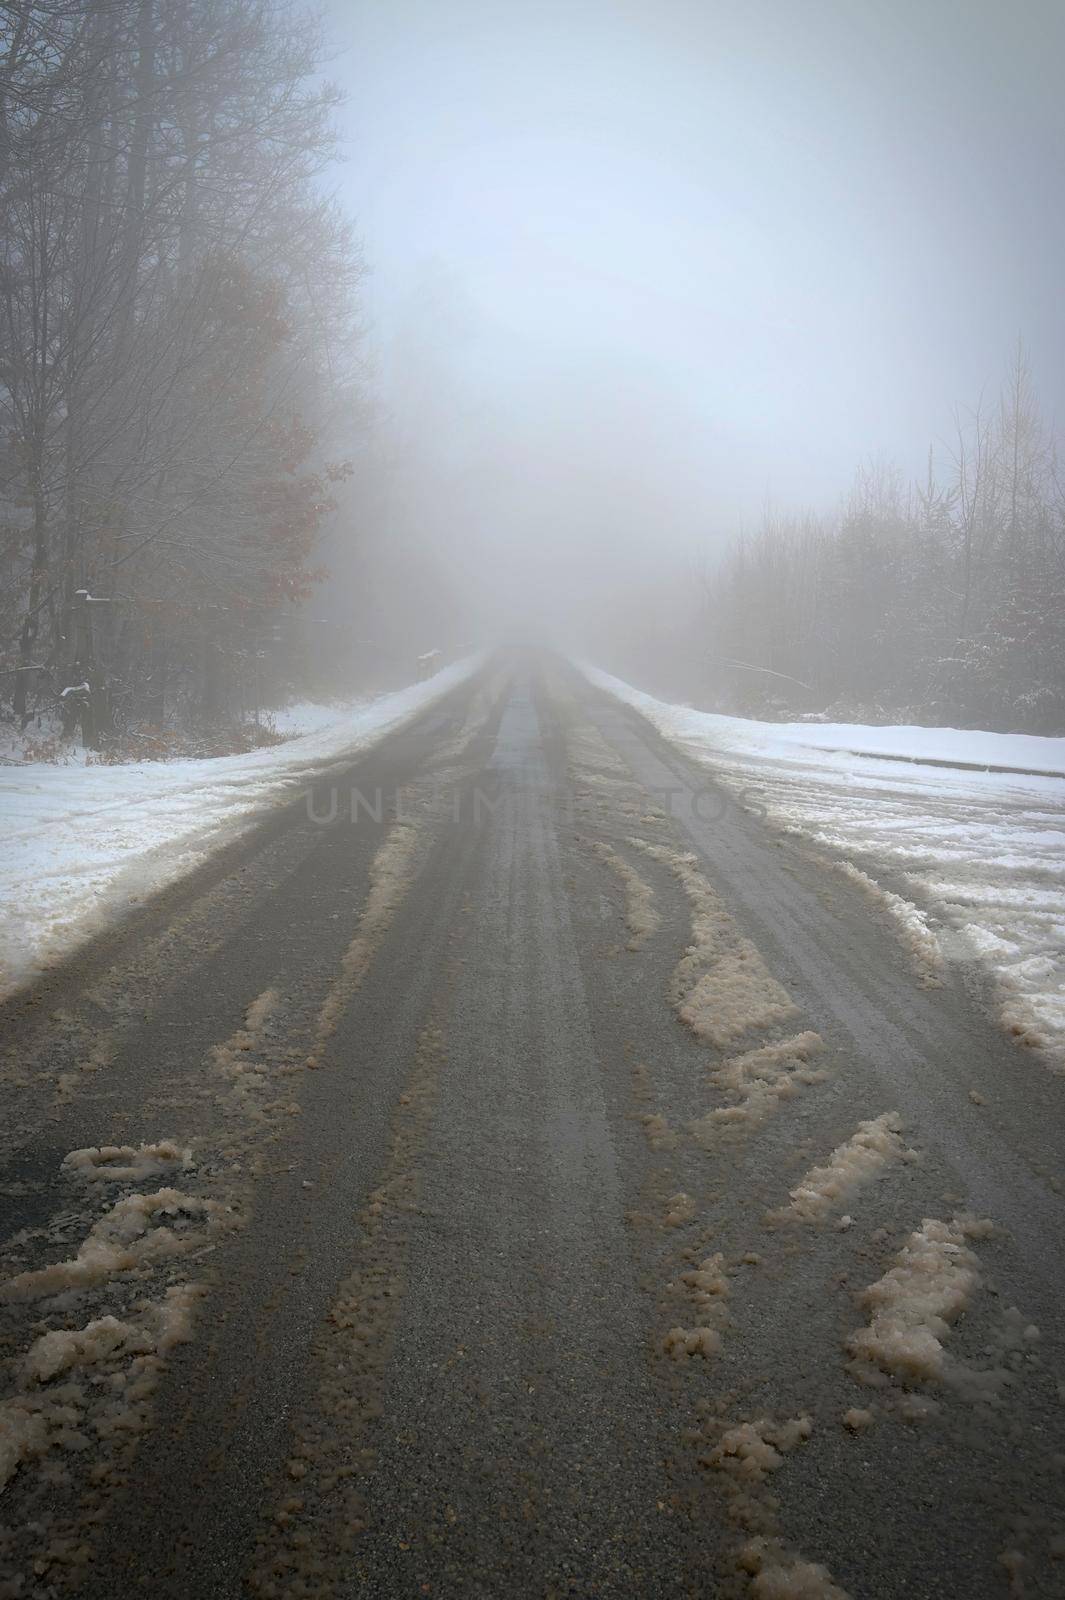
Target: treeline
939, 602
178, 354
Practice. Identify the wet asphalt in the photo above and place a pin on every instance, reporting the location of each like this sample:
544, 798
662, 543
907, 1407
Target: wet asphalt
429, 1356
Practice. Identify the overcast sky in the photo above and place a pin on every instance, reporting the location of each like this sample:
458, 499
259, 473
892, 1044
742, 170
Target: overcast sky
701, 253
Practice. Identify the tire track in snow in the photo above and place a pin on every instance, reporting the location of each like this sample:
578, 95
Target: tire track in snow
104, 1324
766, 1563
226, 1433
392, 872
243, 1077
309, 1539
641, 919
911, 1042
722, 990
78, 1037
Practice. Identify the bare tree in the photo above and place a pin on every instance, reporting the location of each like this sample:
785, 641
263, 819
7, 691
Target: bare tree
178, 339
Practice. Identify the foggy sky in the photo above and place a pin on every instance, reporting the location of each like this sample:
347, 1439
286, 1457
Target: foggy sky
638, 267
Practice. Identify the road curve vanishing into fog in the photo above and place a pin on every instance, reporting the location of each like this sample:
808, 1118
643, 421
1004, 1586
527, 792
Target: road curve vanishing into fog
513, 1170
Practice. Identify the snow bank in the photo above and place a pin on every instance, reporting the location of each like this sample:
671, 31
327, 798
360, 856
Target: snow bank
1027, 753
311, 716
982, 853
910, 925
81, 845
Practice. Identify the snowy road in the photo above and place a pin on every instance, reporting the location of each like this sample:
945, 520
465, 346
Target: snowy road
81, 847
561, 1186
956, 836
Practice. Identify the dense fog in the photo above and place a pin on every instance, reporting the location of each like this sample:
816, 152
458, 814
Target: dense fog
647, 279
667, 334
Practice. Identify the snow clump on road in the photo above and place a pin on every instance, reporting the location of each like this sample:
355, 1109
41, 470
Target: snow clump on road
850, 1165
121, 1163
111, 1369
914, 1304
139, 1230
721, 987
641, 918
758, 1081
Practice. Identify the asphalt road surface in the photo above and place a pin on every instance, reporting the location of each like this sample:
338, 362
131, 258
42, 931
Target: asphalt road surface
499, 1145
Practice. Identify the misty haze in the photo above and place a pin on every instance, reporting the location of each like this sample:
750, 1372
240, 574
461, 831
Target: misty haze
532, 799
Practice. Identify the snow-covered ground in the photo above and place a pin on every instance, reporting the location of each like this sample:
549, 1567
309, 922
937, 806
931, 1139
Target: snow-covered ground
309, 716
980, 853
303, 716
81, 845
